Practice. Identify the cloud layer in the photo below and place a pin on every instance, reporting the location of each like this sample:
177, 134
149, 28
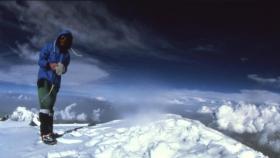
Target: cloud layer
265, 81
250, 118
95, 31
189, 97
93, 26
247, 117
79, 74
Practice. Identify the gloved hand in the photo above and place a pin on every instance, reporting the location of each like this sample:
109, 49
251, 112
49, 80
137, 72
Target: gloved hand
53, 66
59, 69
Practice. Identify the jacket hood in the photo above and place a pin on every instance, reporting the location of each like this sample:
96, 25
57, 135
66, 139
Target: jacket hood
64, 32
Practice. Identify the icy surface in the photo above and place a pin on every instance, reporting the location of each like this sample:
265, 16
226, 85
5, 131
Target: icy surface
159, 136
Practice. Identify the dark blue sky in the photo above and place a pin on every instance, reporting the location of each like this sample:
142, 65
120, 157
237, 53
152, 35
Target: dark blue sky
217, 44
207, 45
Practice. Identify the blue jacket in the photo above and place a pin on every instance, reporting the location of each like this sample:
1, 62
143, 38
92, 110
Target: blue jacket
50, 53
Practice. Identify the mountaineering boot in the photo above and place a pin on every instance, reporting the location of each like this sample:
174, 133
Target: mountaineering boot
44, 123
45, 129
50, 124
54, 135
48, 139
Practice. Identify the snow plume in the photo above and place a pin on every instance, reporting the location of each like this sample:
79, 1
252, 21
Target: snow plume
250, 118
68, 114
22, 114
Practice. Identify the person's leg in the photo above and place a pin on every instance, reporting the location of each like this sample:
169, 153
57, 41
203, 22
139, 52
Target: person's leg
53, 96
46, 106
51, 122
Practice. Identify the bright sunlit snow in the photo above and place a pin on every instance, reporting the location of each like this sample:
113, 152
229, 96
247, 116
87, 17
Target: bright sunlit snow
148, 136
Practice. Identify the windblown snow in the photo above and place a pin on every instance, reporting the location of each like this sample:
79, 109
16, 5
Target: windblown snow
156, 136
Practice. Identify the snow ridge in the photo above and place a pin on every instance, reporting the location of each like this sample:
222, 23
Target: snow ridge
164, 136
22, 114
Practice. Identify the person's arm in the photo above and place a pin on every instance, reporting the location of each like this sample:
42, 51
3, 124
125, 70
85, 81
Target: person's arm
43, 57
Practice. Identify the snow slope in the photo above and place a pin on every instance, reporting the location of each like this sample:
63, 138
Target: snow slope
156, 136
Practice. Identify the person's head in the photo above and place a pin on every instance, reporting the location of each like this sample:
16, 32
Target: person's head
65, 41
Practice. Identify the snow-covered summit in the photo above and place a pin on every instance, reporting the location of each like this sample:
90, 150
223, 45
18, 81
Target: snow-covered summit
157, 136
163, 136
22, 114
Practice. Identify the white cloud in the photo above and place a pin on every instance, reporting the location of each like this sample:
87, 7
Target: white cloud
69, 114
175, 101
83, 74
25, 51
96, 113
251, 118
206, 110
78, 74
271, 137
93, 26
240, 119
265, 81
100, 98
20, 74
196, 96
82, 117
161, 97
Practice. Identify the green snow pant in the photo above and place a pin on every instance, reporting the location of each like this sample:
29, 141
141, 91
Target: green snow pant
47, 101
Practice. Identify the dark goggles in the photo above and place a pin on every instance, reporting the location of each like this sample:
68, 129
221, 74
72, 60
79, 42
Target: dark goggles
65, 37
